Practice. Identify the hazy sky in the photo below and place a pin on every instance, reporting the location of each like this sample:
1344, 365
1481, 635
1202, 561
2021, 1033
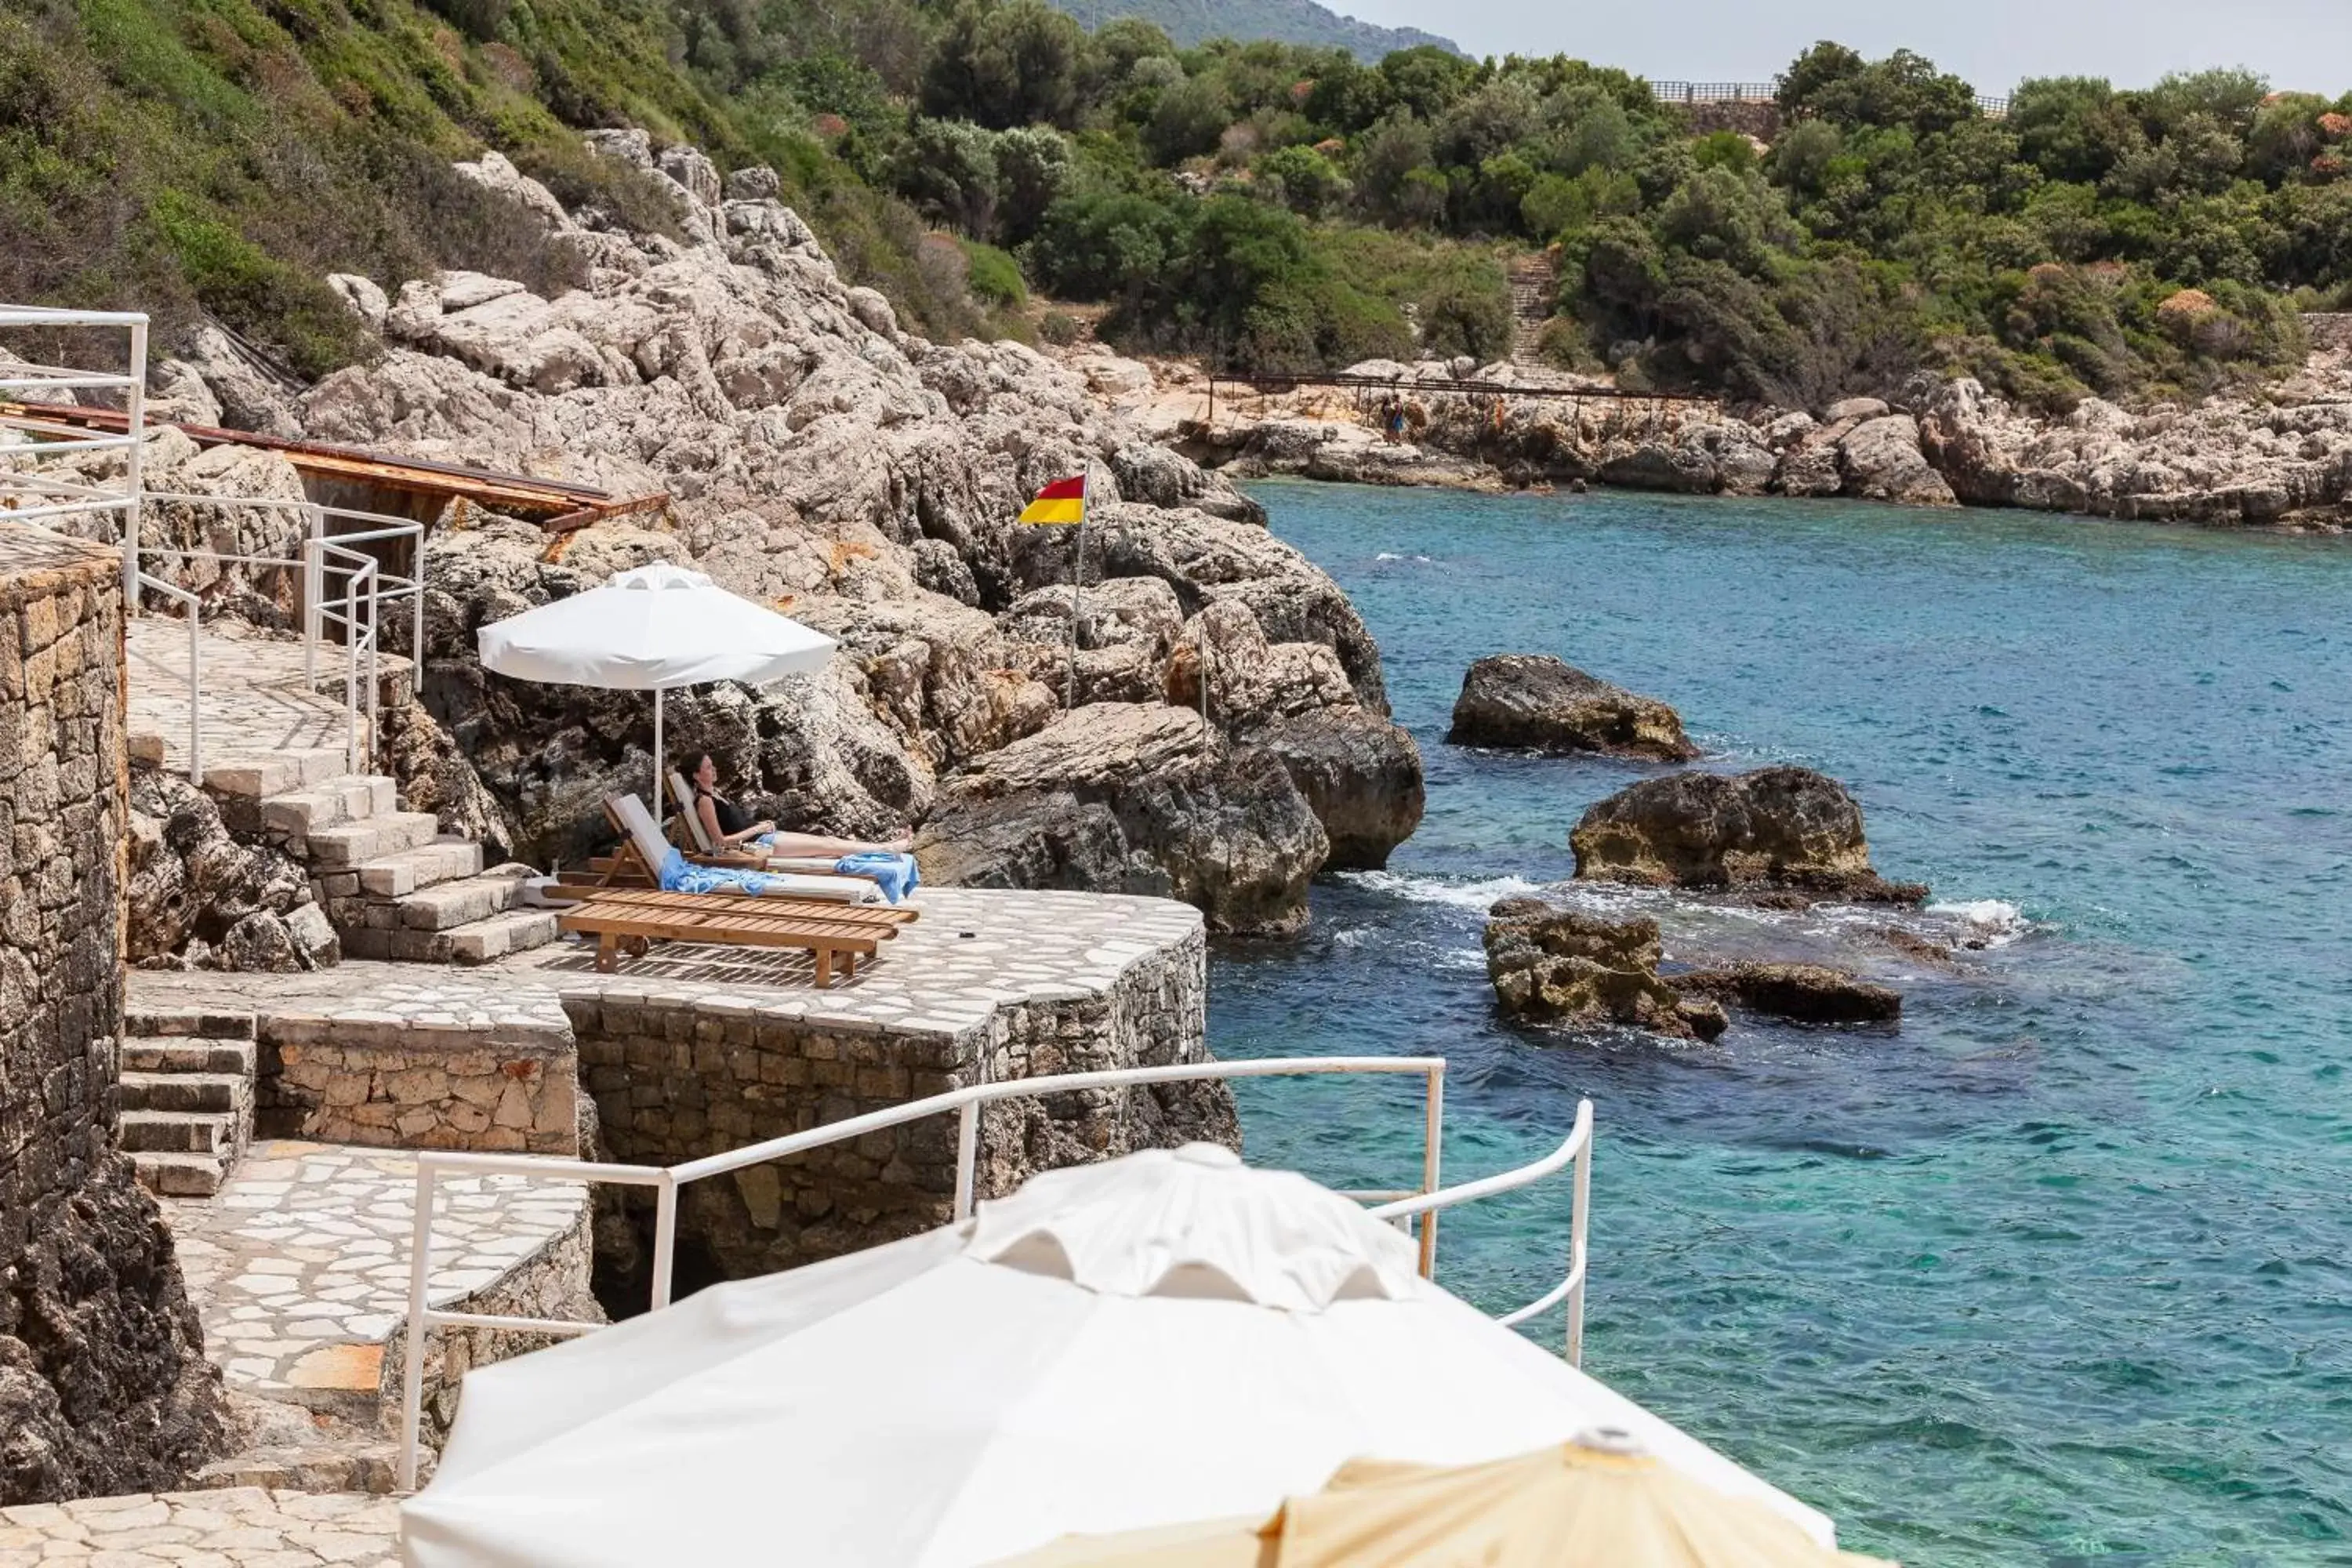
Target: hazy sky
2303, 44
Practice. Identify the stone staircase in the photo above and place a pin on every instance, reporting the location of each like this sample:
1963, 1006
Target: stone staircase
186, 1097
394, 886
1533, 280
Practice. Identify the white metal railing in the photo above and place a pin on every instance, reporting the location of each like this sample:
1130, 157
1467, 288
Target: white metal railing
33, 491
39, 438
1402, 1208
325, 558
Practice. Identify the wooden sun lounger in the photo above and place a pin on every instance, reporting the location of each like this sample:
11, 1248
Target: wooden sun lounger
634, 918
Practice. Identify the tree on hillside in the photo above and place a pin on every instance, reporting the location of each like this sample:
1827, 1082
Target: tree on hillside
1002, 63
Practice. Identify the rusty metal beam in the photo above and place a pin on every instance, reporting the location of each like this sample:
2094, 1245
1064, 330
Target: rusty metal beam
561, 505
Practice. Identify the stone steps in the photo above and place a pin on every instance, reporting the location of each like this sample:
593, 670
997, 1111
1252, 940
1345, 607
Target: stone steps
290, 819
214, 1093
185, 1090
352, 844
178, 1133
474, 942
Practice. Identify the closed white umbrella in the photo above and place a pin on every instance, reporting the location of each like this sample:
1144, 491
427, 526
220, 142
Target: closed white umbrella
650, 630
1147, 1341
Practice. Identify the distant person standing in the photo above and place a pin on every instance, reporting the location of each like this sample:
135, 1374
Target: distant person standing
1392, 419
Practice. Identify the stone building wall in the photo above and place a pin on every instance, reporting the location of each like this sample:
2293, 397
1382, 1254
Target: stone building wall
103, 1383
673, 1081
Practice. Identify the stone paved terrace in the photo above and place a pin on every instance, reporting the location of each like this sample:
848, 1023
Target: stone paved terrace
299, 1265
253, 701
240, 1527
973, 950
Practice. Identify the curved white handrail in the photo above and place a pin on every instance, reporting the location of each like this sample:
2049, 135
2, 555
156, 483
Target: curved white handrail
967, 1101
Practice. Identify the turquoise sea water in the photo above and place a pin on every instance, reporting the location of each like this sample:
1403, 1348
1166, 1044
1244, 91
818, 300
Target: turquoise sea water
2060, 1271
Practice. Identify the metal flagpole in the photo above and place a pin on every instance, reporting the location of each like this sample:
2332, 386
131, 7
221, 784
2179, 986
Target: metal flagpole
1078, 582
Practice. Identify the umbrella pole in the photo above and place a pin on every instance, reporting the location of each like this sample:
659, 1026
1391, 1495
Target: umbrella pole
659, 786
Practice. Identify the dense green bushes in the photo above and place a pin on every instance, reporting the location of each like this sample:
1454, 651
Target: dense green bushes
1256, 202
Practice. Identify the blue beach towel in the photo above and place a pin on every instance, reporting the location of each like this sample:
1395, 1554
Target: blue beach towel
894, 874
679, 875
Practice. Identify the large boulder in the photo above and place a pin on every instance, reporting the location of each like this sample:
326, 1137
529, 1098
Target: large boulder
1361, 776
197, 899
1784, 828
1133, 797
1802, 992
1882, 461
1561, 965
1535, 702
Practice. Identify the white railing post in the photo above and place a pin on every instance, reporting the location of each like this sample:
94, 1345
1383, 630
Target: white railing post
352, 680
1581, 1206
412, 1370
374, 677
314, 583
135, 411
1433, 1144
664, 1240
967, 1156
195, 703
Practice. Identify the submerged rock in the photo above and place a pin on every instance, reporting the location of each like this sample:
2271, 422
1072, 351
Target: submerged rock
1785, 830
1536, 702
1565, 966
1129, 797
1803, 993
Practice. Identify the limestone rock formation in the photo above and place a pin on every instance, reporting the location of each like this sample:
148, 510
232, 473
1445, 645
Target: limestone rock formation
1361, 776
2283, 456
1803, 993
1564, 966
1881, 460
1136, 798
818, 457
199, 899
1785, 828
1535, 702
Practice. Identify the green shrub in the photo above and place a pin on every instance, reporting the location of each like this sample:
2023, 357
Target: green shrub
1058, 328
993, 278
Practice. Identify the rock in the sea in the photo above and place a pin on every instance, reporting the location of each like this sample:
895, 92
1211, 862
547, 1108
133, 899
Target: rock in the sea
1802, 992
1786, 828
1132, 797
1535, 702
1361, 774
1564, 966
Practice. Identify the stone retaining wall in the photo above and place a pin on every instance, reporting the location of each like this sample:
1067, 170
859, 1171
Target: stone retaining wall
103, 1385
673, 1081
395, 1084
552, 1283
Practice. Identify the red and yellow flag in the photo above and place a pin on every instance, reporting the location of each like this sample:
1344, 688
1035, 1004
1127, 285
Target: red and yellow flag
1063, 500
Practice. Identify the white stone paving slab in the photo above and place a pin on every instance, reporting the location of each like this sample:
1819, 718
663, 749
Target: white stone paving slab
238, 1527
300, 1265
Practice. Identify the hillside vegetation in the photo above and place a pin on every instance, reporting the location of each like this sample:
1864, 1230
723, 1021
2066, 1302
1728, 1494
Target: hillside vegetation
1259, 203
1191, 22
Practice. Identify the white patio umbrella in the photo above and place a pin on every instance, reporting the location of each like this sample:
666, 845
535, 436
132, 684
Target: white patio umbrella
1147, 1341
650, 630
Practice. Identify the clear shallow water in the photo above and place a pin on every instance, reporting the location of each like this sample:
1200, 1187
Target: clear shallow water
2062, 1270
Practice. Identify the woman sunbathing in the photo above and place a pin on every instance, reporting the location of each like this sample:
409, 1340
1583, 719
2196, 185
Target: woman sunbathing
728, 824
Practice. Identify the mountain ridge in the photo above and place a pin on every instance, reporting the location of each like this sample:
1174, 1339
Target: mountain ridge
1194, 22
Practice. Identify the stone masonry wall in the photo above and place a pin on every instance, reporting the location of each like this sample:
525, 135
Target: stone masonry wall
103, 1383
674, 1081
395, 1084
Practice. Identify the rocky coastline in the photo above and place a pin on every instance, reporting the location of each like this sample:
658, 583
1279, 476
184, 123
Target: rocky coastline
1217, 729
2276, 456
